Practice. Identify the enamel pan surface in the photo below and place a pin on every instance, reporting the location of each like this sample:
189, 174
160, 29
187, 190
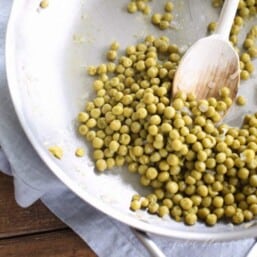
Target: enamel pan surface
47, 52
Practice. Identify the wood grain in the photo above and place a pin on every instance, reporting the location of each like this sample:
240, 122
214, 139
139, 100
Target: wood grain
15, 220
34, 231
55, 244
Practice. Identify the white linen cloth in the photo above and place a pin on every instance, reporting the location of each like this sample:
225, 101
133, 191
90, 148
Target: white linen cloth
33, 181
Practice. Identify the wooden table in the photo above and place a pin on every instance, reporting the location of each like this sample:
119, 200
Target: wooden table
35, 231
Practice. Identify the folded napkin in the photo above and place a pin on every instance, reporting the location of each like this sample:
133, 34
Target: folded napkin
33, 181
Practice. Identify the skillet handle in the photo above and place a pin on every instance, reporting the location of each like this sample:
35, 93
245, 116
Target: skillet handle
151, 247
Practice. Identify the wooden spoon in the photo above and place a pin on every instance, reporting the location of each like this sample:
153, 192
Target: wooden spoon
211, 63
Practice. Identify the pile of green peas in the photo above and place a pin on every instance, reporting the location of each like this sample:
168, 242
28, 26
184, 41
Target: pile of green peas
162, 21
139, 5
246, 10
196, 167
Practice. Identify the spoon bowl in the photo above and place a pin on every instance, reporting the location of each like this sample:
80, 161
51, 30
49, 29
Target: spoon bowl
209, 65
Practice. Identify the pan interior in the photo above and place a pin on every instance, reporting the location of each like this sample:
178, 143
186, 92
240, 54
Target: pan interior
47, 55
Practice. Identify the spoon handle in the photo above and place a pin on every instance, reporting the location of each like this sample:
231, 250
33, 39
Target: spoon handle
152, 248
226, 19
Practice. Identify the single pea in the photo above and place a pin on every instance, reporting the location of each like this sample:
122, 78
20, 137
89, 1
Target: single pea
202, 190
169, 112
178, 104
220, 157
156, 18
248, 43
148, 98
253, 180
244, 75
245, 57
251, 199
200, 120
239, 20
248, 155
208, 178
200, 166
153, 207
144, 181
176, 145
111, 55
167, 202
217, 186
132, 7
184, 131
249, 66
91, 135
166, 128
141, 113
163, 176
175, 57
202, 156
101, 165
91, 123
252, 51
163, 211
240, 100
190, 219
138, 150
169, 6
248, 215
167, 17
174, 134
44, 4
221, 169
244, 12
155, 120
153, 130
135, 205
172, 187
151, 173
203, 213
80, 152
219, 212
178, 123
146, 10
229, 211
152, 72
243, 173
207, 201
110, 163
221, 106
172, 160
91, 70
238, 218
210, 163
83, 130
97, 143
140, 5
217, 202
186, 203
98, 154
83, 117
115, 125
211, 219
207, 142
212, 26
190, 138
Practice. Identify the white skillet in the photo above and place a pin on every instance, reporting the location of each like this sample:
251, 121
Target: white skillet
46, 55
